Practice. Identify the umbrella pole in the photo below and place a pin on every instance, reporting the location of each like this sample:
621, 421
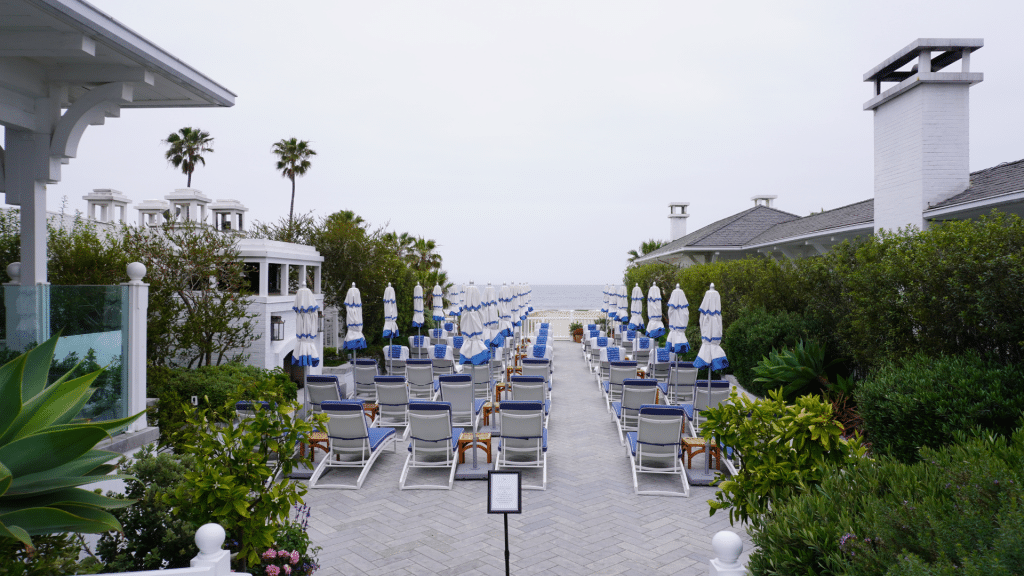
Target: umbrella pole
391, 356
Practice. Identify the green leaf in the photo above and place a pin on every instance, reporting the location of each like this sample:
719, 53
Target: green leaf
47, 450
16, 533
10, 392
41, 521
64, 497
55, 405
84, 467
37, 367
5, 479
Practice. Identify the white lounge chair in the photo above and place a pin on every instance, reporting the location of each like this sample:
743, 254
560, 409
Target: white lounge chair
524, 440
420, 375
635, 393
457, 390
351, 442
393, 400
363, 372
432, 444
654, 448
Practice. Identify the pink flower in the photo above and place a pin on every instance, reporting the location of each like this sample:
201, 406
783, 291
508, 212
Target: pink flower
287, 570
270, 554
273, 570
295, 557
283, 554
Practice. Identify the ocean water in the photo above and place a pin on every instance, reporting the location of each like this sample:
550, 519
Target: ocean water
567, 296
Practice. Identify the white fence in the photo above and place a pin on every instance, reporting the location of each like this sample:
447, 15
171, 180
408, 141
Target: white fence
560, 321
212, 559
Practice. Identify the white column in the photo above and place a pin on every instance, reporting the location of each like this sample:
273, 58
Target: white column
136, 307
209, 539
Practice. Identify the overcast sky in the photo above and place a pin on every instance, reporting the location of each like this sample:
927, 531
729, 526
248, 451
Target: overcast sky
538, 141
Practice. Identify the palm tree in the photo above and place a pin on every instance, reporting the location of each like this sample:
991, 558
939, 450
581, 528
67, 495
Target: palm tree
293, 160
422, 257
186, 147
347, 217
645, 248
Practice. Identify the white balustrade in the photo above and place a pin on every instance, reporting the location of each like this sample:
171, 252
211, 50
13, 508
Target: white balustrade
727, 546
212, 559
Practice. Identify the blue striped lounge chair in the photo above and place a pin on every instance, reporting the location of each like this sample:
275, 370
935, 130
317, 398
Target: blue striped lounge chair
322, 388
352, 443
654, 448
457, 390
636, 392
420, 374
618, 372
539, 367
596, 343
363, 372
393, 400
531, 389
524, 440
442, 359
432, 443
678, 386
708, 396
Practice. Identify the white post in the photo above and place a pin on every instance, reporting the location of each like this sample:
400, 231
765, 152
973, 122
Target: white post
136, 308
728, 547
209, 539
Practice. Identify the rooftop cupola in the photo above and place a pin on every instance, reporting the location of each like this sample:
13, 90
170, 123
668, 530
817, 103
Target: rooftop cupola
188, 205
151, 212
765, 200
228, 215
106, 206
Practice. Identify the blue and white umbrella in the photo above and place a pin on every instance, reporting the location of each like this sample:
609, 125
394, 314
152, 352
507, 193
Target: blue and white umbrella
623, 303
711, 353
306, 328
655, 327
354, 339
636, 318
390, 313
492, 330
529, 298
505, 311
473, 350
437, 302
514, 305
454, 300
678, 319
604, 302
417, 306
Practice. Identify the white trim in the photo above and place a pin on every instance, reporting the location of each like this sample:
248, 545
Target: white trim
992, 201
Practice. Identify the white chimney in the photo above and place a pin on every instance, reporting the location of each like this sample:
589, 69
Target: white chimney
677, 220
763, 200
921, 128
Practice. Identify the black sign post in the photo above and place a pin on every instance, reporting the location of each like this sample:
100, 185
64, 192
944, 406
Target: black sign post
504, 496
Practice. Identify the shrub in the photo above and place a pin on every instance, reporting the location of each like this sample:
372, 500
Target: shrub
921, 401
54, 555
785, 449
959, 511
215, 387
754, 335
152, 537
292, 547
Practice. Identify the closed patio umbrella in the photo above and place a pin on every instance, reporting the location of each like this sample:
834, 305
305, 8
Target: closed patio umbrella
437, 297
678, 319
711, 353
623, 299
636, 317
454, 300
354, 339
417, 307
390, 318
473, 350
492, 331
655, 327
306, 328
505, 310
604, 302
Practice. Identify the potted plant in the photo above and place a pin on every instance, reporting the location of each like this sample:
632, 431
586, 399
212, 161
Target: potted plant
576, 329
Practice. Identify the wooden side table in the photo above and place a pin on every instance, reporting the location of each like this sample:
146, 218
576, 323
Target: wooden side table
694, 446
316, 440
488, 409
371, 409
483, 441
500, 388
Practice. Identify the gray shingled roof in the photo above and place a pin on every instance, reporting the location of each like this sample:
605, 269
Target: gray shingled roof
995, 181
736, 230
850, 215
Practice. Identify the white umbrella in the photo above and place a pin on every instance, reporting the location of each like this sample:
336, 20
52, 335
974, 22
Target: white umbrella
417, 306
604, 303
636, 318
623, 299
473, 348
678, 319
513, 291
521, 299
529, 298
438, 303
505, 310
306, 328
655, 328
390, 313
354, 320
490, 303
454, 300
711, 353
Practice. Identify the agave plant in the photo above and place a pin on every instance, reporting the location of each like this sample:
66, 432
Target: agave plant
46, 452
798, 371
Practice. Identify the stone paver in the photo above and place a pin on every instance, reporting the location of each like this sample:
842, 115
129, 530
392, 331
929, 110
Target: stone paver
588, 521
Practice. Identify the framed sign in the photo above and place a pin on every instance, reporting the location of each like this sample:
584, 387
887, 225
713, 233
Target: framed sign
504, 492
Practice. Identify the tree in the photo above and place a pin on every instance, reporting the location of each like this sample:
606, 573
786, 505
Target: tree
186, 147
645, 248
198, 305
293, 160
423, 257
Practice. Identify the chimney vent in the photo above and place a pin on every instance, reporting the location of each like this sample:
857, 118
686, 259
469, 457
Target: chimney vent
677, 216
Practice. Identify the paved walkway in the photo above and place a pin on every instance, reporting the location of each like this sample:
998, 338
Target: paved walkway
588, 521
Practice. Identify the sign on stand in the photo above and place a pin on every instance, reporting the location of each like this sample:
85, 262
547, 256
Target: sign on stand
504, 496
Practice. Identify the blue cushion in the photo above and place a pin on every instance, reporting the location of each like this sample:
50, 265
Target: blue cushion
378, 436
440, 351
389, 379
417, 341
613, 354
602, 341
395, 351
458, 340
663, 355
617, 407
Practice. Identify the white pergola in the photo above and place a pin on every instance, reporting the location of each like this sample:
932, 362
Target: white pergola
64, 66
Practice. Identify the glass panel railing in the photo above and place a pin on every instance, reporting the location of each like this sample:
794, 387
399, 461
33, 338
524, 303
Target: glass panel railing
91, 322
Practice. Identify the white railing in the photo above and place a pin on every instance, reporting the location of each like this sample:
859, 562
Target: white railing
560, 321
212, 560
727, 546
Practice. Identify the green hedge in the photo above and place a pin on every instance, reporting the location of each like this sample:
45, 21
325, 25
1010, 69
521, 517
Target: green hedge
921, 401
216, 387
754, 335
958, 512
